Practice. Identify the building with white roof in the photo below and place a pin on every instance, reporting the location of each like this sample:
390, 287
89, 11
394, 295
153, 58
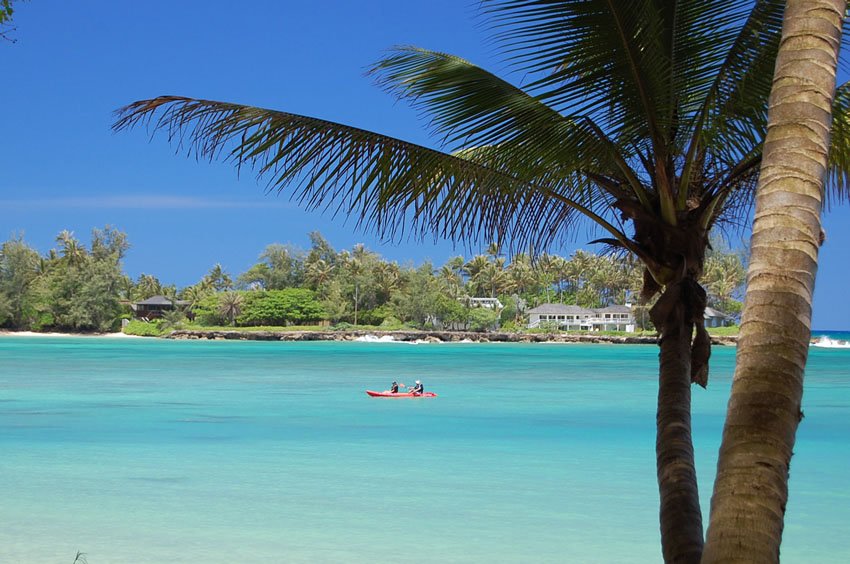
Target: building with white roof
576, 318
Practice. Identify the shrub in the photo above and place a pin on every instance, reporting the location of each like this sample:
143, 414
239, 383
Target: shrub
511, 326
482, 319
143, 329
391, 323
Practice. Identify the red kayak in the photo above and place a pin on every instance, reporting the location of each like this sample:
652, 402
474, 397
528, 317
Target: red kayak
387, 394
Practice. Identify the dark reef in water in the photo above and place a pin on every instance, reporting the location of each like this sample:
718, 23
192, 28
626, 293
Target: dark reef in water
427, 336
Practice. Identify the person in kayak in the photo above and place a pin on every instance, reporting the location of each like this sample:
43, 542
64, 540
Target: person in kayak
394, 388
418, 389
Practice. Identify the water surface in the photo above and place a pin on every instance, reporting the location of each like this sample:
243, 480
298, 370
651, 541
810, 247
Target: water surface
136, 450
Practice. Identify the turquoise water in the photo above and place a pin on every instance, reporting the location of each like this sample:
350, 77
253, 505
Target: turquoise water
135, 450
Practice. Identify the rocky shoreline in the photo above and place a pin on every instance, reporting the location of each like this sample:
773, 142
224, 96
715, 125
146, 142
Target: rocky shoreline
425, 336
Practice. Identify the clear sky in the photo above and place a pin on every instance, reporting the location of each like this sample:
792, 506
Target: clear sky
75, 62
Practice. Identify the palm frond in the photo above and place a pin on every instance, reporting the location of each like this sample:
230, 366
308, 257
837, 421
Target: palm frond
653, 60
574, 49
469, 106
732, 117
838, 179
391, 187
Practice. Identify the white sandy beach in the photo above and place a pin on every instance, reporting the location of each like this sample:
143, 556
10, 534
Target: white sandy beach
119, 335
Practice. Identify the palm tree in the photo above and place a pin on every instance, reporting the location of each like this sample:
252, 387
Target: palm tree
645, 117
724, 275
560, 271
194, 294
475, 270
72, 251
495, 277
219, 279
450, 278
147, 286
387, 279
521, 274
764, 408
318, 273
230, 306
544, 270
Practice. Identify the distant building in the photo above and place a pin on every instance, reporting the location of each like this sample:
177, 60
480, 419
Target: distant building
489, 303
715, 318
576, 318
155, 306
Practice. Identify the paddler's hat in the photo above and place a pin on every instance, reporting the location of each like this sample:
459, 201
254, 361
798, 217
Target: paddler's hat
417, 382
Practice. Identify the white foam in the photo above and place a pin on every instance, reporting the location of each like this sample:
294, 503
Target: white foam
828, 343
375, 339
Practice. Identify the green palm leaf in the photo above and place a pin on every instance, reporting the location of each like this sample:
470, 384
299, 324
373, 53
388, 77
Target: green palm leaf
839, 150
388, 185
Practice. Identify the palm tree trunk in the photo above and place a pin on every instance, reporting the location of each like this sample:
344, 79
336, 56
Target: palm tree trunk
751, 489
680, 516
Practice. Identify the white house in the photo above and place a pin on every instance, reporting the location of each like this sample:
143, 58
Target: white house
575, 318
489, 303
616, 318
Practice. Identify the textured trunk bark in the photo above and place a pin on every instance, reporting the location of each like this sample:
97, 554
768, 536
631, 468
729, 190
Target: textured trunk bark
751, 489
680, 516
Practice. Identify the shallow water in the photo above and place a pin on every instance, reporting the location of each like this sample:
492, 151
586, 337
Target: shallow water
135, 450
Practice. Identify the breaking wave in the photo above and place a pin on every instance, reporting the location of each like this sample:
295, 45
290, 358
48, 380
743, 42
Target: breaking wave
830, 343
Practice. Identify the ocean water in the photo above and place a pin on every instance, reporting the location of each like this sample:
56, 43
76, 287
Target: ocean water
151, 451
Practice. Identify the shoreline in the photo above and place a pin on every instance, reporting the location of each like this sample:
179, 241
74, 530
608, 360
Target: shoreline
361, 335
118, 335
424, 337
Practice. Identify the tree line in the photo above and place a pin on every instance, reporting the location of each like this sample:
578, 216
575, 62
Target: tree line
76, 288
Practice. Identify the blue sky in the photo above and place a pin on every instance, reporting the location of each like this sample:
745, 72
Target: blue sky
76, 62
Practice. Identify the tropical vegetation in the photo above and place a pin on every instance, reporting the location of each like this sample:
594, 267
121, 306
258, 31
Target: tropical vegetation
74, 288
71, 288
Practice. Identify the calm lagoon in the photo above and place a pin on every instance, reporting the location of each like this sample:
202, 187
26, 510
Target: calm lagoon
136, 450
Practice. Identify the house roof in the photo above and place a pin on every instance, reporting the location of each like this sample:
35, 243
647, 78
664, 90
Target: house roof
615, 309
161, 300
710, 312
560, 309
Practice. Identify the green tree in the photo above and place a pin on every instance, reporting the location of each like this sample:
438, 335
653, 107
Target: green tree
194, 295
482, 319
281, 266
336, 303
645, 117
19, 264
207, 310
280, 307
79, 290
477, 272
318, 274
72, 251
418, 304
147, 286
218, 279
724, 276
109, 243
